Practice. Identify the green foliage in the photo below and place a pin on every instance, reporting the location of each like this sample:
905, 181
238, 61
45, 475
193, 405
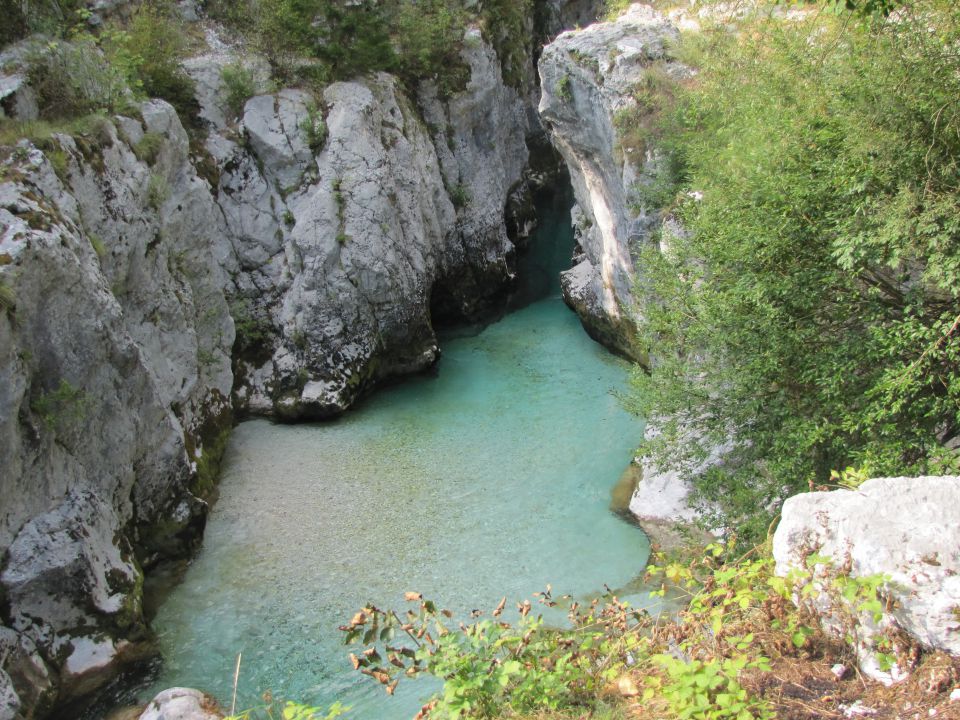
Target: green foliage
460, 196
563, 88
50, 17
612, 9
349, 38
429, 35
290, 711
707, 690
850, 478
315, 128
240, 86
158, 191
59, 161
8, 298
65, 405
149, 51
705, 662
253, 330
490, 666
96, 242
414, 39
149, 147
507, 25
808, 317
73, 79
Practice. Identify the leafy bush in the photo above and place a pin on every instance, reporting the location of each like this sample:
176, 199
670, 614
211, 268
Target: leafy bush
149, 50
50, 17
429, 35
809, 314
64, 405
707, 662
240, 85
149, 146
158, 191
507, 25
73, 79
315, 128
8, 298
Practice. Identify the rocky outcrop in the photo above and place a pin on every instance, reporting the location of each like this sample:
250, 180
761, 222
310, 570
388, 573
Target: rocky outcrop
356, 219
588, 79
115, 375
903, 528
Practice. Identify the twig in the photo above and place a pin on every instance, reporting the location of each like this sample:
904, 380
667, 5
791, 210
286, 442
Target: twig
236, 680
401, 623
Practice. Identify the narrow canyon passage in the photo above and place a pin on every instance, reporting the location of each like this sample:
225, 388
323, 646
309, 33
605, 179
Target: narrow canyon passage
491, 478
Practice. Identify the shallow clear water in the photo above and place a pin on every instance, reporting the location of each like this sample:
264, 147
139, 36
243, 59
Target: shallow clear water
491, 478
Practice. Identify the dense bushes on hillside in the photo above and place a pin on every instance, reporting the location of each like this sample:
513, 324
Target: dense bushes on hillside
809, 314
416, 39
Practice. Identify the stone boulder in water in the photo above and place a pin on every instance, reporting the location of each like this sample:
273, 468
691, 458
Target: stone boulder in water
906, 528
182, 704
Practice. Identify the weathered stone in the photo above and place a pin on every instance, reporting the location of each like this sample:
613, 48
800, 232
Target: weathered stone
17, 98
275, 126
182, 704
9, 700
120, 248
114, 374
586, 78
28, 673
906, 528
343, 260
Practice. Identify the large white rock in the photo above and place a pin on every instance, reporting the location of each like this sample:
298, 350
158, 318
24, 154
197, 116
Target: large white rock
907, 528
182, 704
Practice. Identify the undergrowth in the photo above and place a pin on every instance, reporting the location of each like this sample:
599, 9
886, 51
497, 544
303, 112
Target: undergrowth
710, 661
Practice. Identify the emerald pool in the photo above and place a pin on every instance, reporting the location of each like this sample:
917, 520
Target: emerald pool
489, 478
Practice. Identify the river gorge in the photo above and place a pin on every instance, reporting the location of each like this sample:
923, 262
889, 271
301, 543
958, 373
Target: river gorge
490, 477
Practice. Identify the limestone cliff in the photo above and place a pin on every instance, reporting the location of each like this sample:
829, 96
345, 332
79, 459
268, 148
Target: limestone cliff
115, 370
588, 78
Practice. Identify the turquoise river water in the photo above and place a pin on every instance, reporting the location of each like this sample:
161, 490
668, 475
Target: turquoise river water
490, 478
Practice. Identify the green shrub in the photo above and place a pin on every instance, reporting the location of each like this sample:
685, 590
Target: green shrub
711, 660
240, 86
149, 51
508, 26
8, 298
429, 35
315, 128
65, 405
149, 146
72, 79
96, 242
50, 17
809, 315
158, 191
460, 196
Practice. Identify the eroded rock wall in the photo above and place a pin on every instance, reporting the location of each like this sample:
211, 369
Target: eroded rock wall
588, 78
114, 340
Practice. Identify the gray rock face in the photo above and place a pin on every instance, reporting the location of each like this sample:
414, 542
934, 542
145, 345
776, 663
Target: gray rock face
115, 371
586, 78
343, 252
182, 704
906, 528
